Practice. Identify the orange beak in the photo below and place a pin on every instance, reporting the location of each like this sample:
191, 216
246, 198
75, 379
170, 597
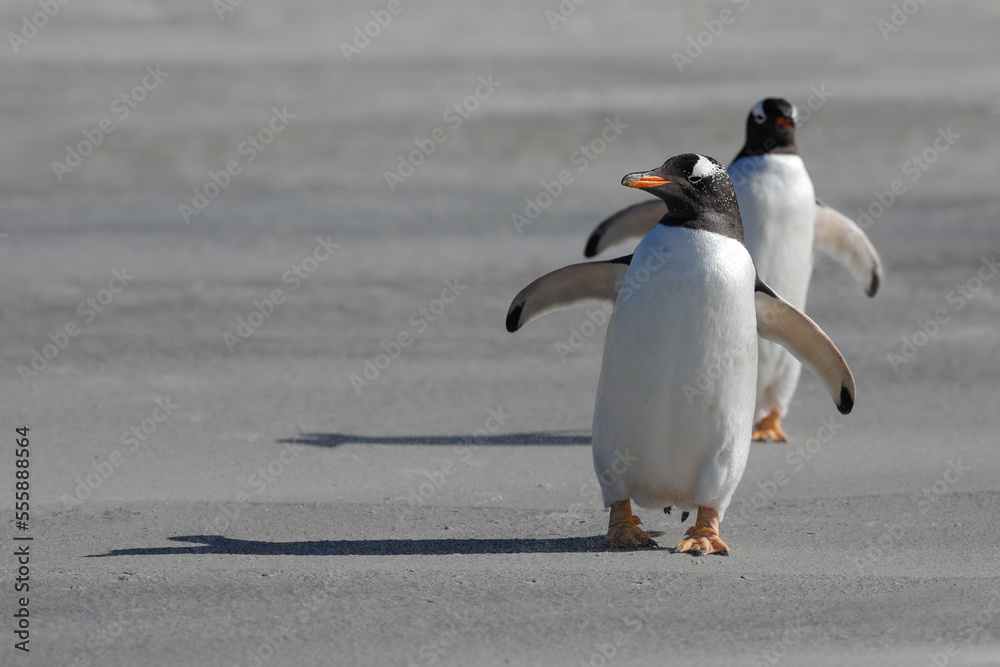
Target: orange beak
643, 181
785, 122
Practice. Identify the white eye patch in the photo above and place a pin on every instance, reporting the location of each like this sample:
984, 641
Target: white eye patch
758, 113
702, 168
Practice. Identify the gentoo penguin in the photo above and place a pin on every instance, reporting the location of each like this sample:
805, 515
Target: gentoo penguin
782, 222
687, 300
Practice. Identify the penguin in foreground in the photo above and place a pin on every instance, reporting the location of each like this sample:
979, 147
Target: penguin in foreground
688, 299
783, 221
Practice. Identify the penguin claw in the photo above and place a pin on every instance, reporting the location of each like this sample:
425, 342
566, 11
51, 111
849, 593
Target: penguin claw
624, 537
769, 428
699, 543
703, 537
624, 533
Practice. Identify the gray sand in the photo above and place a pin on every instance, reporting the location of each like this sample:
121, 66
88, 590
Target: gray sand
448, 513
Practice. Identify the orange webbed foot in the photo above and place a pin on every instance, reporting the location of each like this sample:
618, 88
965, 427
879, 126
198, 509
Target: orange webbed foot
769, 428
701, 544
623, 529
702, 538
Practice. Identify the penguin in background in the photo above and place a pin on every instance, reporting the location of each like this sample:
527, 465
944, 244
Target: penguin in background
689, 297
782, 222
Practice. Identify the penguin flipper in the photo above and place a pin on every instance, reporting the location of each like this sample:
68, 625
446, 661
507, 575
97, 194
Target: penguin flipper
635, 221
841, 238
783, 323
567, 286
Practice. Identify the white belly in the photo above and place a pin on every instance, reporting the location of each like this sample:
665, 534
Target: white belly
778, 207
675, 400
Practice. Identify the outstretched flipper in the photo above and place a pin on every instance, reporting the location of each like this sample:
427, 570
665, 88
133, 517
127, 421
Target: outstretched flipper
841, 238
634, 221
783, 323
567, 286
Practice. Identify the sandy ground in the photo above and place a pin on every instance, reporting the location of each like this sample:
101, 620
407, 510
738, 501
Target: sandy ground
204, 497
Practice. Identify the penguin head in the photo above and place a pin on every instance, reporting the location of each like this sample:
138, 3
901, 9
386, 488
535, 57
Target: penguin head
689, 184
694, 188
771, 125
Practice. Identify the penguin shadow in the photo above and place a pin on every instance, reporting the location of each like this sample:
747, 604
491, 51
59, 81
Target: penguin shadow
219, 545
529, 438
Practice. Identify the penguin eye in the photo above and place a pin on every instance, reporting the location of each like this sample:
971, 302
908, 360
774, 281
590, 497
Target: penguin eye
694, 180
759, 117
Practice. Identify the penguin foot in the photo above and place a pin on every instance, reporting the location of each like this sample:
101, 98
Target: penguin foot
702, 538
769, 428
623, 529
